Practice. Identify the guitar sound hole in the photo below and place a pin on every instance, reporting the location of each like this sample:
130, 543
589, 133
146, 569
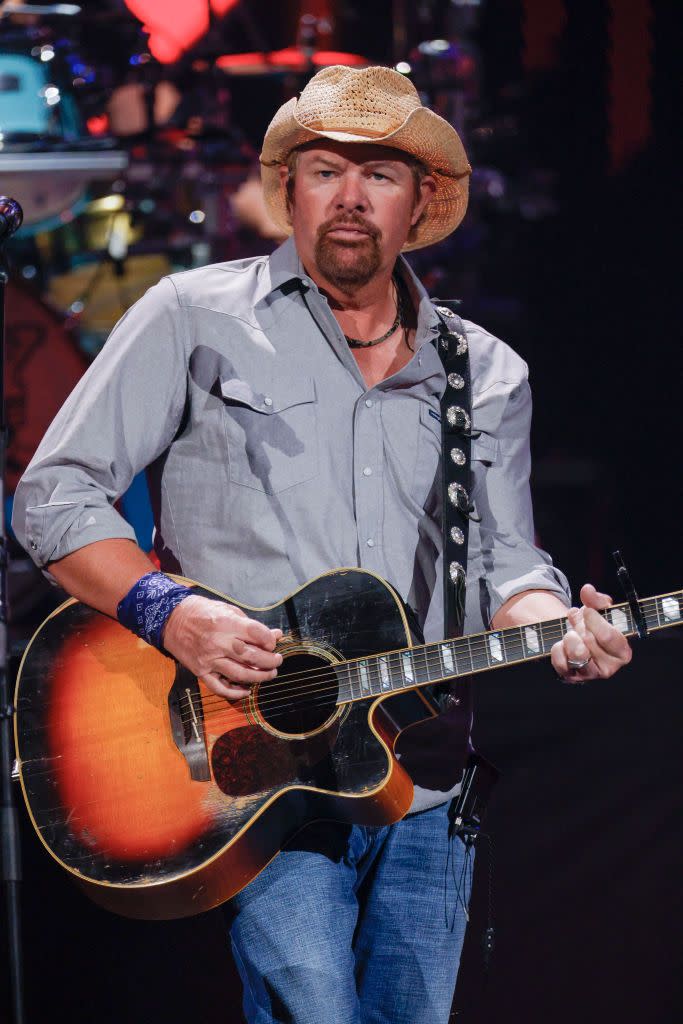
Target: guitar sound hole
301, 698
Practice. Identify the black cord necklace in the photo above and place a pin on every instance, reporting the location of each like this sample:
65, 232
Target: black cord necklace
398, 322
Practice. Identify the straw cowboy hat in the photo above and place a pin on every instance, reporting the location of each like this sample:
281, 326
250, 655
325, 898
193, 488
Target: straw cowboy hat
374, 105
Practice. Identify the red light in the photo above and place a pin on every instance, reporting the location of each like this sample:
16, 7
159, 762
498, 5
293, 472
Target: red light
98, 124
174, 26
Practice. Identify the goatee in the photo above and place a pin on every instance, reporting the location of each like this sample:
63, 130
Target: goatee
348, 264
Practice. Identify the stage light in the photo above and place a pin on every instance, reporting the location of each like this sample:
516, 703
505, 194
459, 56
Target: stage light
197, 217
51, 95
404, 67
46, 53
107, 204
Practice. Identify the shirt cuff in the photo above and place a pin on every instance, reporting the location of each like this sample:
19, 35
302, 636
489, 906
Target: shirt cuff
58, 529
539, 578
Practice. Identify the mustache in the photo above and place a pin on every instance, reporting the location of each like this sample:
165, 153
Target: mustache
354, 220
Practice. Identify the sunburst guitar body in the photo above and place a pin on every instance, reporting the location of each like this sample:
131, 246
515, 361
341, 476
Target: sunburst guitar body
163, 800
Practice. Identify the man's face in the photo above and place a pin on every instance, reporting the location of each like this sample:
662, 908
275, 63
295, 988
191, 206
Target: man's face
352, 208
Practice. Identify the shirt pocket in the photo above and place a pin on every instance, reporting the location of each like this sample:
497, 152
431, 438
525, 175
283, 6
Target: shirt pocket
272, 435
486, 449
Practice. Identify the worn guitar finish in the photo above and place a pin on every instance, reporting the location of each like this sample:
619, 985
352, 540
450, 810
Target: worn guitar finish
164, 800
143, 802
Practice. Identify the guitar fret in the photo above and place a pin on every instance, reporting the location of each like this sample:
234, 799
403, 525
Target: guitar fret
350, 683
447, 659
464, 650
658, 620
396, 668
480, 659
513, 644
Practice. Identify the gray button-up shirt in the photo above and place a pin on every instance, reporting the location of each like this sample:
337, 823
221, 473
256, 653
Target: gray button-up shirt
271, 462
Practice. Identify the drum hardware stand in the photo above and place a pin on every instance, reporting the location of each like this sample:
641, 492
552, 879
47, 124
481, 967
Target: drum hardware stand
11, 216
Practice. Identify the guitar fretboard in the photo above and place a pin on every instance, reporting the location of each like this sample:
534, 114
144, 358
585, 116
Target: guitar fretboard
438, 662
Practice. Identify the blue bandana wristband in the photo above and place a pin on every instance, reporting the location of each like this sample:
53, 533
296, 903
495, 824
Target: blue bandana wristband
147, 605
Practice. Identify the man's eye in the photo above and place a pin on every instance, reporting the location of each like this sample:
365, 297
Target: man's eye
378, 176
326, 174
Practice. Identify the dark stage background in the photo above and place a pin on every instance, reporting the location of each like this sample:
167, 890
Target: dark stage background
575, 264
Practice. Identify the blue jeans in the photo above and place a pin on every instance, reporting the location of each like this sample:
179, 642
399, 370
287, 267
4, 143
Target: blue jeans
355, 925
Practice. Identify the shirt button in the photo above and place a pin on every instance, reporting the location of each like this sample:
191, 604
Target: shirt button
34, 546
367, 471
267, 400
369, 403
370, 543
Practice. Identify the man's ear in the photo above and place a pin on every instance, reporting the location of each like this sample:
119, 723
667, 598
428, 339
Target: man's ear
427, 190
286, 185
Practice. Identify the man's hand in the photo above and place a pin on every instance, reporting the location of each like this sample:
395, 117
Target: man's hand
220, 644
592, 648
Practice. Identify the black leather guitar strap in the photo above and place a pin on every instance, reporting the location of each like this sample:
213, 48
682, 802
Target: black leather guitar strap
456, 439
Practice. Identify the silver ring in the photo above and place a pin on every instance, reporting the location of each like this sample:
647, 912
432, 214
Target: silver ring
578, 664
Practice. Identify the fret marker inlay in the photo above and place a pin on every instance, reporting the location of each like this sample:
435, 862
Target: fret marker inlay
364, 676
384, 674
619, 619
496, 647
447, 656
671, 609
407, 660
532, 641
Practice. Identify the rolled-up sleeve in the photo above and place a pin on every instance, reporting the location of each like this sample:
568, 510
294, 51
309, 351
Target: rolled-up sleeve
512, 561
120, 417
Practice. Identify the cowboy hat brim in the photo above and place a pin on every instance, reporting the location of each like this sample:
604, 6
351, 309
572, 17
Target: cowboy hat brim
423, 134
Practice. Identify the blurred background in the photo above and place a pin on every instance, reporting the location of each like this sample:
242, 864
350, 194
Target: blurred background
130, 132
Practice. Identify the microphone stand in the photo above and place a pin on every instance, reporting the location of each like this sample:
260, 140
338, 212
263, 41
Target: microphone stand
11, 216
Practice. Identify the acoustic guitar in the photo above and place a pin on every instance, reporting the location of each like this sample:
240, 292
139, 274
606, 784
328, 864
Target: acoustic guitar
163, 800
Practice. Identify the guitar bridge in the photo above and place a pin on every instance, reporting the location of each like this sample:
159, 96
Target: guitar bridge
187, 723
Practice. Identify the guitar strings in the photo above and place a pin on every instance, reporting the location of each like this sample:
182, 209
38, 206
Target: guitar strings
327, 674
324, 674
508, 635
283, 701
554, 629
234, 711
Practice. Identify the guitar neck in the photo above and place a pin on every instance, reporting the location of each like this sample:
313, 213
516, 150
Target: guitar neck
427, 664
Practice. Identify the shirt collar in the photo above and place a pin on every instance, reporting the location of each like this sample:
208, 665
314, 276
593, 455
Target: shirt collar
284, 266
281, 267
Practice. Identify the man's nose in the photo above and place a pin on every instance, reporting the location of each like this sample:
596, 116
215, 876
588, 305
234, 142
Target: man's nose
351, 193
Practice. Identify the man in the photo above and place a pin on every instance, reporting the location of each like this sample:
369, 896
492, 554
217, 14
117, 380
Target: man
287, 409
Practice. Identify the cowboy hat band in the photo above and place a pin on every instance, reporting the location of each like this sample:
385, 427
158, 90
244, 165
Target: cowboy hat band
380, 106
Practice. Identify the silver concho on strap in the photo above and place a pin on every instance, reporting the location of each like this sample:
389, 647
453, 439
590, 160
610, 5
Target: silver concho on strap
458, 496
456, 572
456, 381
457, 536
458, 417
462, 343
458, 456
445, 311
